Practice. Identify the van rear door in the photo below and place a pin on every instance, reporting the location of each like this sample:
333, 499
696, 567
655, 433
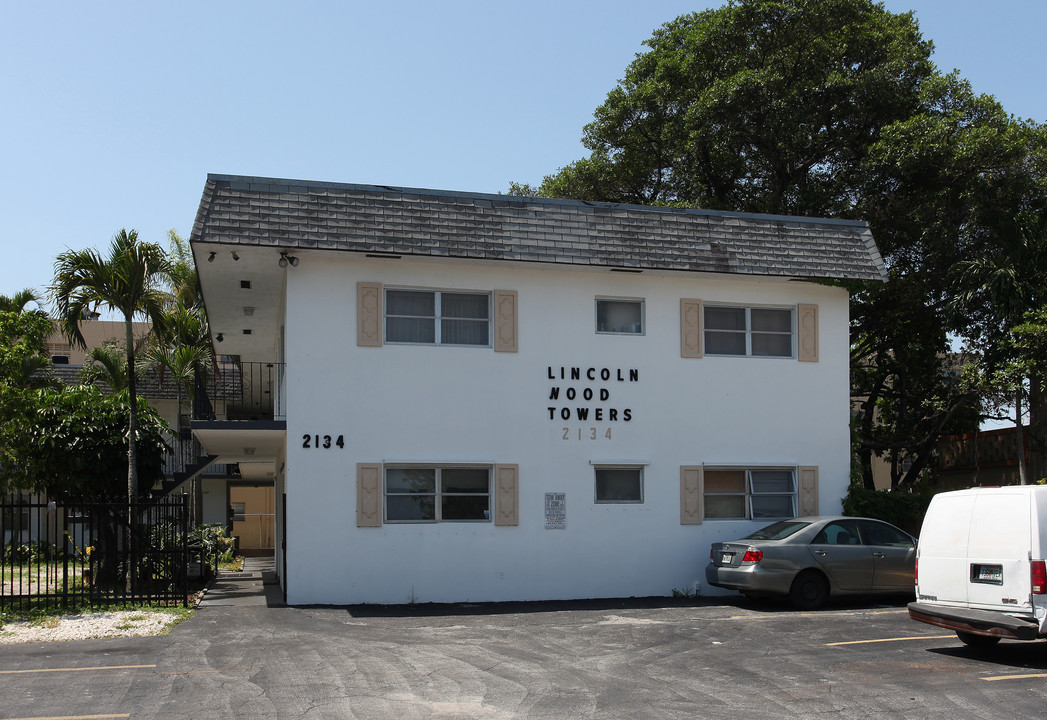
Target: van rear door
943, 569
998, 551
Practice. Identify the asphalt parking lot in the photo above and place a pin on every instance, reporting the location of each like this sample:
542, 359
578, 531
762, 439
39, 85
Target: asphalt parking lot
710, 658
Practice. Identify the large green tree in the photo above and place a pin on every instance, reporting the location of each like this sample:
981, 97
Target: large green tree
56, 439
129, 281
829, 108
74, 439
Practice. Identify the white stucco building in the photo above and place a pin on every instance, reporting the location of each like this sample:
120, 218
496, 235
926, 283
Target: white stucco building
485, 398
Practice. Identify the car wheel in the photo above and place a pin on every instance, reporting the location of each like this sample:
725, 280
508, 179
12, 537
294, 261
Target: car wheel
809, 591
977, 641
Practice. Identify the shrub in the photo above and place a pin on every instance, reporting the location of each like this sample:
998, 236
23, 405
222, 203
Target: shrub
902, 507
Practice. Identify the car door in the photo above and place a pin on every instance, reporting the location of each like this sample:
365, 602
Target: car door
894, 556
839, 551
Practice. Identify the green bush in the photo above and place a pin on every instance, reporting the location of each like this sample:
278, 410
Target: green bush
35, 551
902, 507
211, 539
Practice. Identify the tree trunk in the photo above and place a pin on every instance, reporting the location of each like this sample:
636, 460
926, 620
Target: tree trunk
132, 425
132, 453
1037, 417
1020, 437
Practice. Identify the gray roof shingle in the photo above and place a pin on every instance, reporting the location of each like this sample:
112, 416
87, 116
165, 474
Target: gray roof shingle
237, 210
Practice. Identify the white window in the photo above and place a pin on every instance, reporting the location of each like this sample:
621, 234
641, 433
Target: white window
437, 494
437, 317
756, 494
758, 332
621, 317
619, 484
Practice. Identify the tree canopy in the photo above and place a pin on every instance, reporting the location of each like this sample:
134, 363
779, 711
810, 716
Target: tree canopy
834, 108
55, 439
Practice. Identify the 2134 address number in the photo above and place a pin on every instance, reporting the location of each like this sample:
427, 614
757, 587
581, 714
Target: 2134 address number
322, 441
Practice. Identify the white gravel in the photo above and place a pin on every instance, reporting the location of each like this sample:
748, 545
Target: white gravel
125, 623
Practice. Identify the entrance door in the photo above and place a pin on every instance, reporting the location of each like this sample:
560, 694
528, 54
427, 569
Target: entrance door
254, 518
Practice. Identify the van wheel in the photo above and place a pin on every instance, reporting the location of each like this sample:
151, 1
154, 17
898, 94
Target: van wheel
809, 591
977, 641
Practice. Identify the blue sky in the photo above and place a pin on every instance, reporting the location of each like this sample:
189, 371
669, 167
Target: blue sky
114, 113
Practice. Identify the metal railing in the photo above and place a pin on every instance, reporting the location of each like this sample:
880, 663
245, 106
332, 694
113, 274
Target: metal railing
80, 552
241, 391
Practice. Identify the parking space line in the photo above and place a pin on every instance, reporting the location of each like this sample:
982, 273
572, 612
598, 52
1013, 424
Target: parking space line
1014, 677
813, 614
77, 717
894, 639
78, 669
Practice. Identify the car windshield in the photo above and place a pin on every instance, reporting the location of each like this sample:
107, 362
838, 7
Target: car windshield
777, 531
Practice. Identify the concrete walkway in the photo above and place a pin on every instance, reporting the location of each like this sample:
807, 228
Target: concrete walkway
255, 585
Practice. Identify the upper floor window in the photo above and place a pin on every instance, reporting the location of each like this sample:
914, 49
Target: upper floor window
760, 332
619, 316
437, 317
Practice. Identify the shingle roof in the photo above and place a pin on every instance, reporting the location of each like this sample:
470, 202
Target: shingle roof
148, 386
292, 214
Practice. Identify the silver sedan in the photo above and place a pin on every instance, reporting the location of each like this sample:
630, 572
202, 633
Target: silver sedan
811, 559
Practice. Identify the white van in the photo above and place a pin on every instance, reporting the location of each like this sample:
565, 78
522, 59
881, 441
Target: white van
980, 564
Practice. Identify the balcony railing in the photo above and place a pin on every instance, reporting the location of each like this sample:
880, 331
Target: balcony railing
241, 391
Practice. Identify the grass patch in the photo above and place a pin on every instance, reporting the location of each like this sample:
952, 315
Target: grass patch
234, 564
45, 621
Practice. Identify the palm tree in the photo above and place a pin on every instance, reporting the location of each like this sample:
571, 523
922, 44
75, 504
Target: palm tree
36, 370
17, 302
127, 281
108, 363
185, 283
186, 349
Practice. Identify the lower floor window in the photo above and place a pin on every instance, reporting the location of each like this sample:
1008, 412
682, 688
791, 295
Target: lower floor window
619, 484
750, 493
437, 494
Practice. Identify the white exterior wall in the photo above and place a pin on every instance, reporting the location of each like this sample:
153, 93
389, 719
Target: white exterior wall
451, 404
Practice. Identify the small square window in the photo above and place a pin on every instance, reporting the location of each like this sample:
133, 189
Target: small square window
622, 317
619, 485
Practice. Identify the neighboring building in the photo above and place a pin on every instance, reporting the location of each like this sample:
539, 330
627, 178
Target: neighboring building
96, 332
986, 457
481, 397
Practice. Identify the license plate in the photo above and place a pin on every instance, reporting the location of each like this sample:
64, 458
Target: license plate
725, 558
990, 573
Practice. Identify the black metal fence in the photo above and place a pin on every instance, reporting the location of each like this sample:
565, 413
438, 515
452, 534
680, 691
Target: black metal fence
76, 552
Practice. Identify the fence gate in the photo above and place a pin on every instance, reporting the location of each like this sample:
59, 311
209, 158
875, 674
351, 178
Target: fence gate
79, 552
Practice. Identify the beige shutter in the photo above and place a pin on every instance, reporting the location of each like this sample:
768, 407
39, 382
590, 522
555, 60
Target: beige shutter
692, 501
368, 495
807, 329
690, 328
505, 321
808, 491
369, 314
506, 495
